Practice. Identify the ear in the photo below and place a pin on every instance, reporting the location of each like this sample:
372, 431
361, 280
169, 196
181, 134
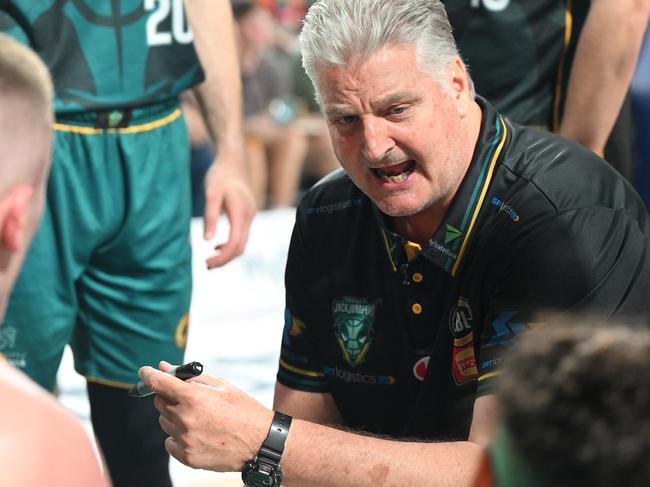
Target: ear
13, 216
459, 84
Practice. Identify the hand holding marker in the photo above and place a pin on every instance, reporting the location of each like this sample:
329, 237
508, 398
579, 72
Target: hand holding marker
182, 372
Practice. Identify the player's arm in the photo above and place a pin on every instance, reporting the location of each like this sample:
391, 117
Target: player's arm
602, 69
219, 97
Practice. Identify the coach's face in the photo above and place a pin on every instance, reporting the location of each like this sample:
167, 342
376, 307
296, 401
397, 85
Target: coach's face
401, 137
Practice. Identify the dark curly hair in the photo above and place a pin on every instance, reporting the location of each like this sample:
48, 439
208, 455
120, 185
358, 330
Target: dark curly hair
576, 401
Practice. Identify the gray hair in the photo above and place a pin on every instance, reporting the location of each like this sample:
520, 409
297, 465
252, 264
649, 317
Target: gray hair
337, 31
23, 73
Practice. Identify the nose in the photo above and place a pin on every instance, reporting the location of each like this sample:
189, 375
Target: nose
377, 141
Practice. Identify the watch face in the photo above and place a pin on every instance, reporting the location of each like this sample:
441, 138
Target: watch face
259, 479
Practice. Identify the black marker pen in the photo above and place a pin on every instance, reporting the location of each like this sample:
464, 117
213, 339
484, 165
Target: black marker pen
182, 372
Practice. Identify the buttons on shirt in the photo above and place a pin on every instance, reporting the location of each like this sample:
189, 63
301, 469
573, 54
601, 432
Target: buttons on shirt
417, 277
416, 308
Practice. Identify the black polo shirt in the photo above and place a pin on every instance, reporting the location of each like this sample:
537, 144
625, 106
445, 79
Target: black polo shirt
539, 224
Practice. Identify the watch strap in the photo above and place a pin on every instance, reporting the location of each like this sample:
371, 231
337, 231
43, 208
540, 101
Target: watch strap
274, 443
264, 469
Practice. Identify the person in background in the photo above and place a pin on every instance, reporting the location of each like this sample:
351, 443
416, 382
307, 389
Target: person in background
411, 273
561, 65
276, 149
109, 270
575, 397
41, 443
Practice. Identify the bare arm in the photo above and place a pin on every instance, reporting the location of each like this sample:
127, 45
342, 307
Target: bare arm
310, 406
357, 460
602, 69
213, 425
219, 97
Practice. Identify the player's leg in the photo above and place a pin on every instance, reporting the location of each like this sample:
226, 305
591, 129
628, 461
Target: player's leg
134, 300
286, 159
130, 437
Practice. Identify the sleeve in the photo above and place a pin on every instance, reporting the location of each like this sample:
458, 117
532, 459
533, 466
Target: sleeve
591, 262
299, 367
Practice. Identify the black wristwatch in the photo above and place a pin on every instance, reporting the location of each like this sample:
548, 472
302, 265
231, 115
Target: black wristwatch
264, 469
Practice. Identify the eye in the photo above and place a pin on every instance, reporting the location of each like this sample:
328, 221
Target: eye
347, 120
398, 110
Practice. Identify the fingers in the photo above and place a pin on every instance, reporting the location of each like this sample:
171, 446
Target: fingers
214, 197
161, 383
167, 426
175, 450
165, 366
240, 214
227, 190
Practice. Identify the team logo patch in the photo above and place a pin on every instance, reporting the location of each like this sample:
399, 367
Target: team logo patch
420, 368
463, 359
460, 318
7, 337
354, 320
181, 331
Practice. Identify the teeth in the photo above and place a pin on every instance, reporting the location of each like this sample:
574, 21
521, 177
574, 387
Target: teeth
398, 178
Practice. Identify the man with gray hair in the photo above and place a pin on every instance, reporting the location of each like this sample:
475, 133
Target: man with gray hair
40, 440
450, 232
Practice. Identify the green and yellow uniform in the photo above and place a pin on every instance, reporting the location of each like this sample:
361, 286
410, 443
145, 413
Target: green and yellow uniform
109, 269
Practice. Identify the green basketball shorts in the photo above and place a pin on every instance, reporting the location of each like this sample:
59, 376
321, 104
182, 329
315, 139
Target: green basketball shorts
109, 270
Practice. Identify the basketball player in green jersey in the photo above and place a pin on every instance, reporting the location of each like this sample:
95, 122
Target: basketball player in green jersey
563, 65
109, 268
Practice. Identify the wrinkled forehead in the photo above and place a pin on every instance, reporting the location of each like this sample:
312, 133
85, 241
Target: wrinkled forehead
389, 75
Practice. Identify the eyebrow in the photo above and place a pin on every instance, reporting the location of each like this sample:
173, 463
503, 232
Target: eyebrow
342, 110
398, 97
338, 110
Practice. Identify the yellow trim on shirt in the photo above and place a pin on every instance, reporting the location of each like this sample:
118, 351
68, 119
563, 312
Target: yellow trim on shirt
390, 256
568, 31
477, 209
298, 370
488, 375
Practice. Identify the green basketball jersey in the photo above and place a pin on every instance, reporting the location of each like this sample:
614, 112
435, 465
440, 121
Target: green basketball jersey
103, 54
519, 52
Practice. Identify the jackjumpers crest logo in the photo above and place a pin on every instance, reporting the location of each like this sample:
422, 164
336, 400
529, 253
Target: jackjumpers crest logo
354, 319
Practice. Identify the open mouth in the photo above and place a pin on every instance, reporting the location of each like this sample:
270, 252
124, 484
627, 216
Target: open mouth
397, 173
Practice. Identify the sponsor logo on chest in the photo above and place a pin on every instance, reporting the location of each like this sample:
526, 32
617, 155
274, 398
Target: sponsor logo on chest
463, 359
